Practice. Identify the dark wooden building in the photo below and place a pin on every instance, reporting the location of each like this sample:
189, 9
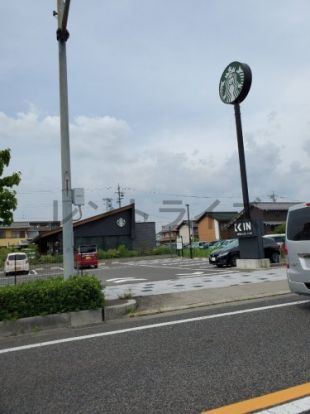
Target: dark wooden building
271, 214
107, 230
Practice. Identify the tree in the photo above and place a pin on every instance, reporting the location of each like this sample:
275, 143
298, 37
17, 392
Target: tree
8, 201
279, 229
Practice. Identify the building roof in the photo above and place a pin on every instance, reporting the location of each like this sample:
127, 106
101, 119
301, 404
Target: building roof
193, 223
265, 206
217, 215
17, 225
89, 220
273, 206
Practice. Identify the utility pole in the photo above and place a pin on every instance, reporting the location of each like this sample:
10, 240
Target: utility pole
120, 196
67, 229
189, 232
108, 203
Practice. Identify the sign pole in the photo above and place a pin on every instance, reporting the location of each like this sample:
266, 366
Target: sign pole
244, 181
235, 84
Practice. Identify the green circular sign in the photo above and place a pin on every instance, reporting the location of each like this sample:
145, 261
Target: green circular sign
235, 83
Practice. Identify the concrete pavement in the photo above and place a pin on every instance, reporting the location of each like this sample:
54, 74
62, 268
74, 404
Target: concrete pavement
206, 297
189, 291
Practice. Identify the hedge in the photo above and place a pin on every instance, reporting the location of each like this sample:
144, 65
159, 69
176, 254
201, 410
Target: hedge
43, 297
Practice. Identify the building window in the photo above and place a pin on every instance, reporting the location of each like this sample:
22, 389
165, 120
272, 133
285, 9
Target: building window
2, 234
18, 234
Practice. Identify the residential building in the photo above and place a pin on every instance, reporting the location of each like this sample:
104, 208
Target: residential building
183, 232
21, 233
168, 234
211, 225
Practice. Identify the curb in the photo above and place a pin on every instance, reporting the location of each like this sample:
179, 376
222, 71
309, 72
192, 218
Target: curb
165, 309
66, 320
53, 321
117, 311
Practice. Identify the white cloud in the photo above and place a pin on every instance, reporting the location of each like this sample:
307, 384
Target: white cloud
197, 161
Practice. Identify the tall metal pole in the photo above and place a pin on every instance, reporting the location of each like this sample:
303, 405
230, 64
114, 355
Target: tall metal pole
189, 232
67, 229
244, 182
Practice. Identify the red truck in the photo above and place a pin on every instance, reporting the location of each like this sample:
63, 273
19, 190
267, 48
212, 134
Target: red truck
85, 256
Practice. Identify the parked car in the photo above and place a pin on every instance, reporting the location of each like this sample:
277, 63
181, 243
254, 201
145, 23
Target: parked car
278, 238
218, 248
298, 248
228, 255
16, 262
220, 244
86, 256
200, 245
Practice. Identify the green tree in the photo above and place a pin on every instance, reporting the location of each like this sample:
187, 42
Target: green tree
8, 201
279, 229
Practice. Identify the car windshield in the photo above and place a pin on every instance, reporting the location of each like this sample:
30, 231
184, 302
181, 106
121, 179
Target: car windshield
231, 243
88, 249
18, 256
299, 224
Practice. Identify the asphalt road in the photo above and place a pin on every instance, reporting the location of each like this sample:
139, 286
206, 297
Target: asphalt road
132, 271
176, 368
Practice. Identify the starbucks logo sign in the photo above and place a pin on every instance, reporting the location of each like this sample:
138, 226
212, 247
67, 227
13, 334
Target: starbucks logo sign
235, 83
121, 222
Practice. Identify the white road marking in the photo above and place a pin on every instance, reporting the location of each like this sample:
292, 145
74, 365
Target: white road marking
188, 274
145, 327
124, 279
294, 407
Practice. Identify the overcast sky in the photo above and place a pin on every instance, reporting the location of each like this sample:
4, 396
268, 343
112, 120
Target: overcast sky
144, 105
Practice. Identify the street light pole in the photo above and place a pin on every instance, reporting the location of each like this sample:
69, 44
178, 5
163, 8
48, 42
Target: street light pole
189, 232
67, 228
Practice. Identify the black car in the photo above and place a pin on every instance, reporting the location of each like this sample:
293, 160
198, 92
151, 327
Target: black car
229, 255
218, 247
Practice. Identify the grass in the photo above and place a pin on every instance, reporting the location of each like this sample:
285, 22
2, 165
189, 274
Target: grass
126, 295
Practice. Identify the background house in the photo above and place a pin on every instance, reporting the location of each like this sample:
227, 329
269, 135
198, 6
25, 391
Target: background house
211, 225
270, 213
21, 233
183, 232
167, 235
107, 230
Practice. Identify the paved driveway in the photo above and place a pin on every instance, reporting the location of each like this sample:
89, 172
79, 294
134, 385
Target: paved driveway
159, 276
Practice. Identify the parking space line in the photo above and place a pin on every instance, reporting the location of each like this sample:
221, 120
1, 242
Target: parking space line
265, 401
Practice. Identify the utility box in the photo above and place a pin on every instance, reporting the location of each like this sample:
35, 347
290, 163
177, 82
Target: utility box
78, 196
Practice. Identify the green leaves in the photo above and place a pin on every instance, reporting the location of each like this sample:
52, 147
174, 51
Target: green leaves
8, 201
50, 296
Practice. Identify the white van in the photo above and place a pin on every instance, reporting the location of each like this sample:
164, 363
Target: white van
298, 248
16, 263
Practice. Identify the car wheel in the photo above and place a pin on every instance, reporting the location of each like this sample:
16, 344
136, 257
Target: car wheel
233, 261
275, 257
219, 265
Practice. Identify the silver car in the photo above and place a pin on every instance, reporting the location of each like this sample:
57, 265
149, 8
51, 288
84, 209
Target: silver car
298, 248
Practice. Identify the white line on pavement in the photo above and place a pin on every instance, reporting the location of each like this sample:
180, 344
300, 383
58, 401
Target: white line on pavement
145, 327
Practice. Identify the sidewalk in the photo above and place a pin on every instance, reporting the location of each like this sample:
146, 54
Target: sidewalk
148, 305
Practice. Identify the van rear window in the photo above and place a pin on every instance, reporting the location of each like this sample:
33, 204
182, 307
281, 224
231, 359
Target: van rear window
298, 227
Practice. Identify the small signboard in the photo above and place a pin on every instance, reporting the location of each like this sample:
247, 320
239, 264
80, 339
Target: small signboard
244, 228
179, 243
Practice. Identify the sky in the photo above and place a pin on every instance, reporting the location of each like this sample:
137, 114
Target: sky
144, 106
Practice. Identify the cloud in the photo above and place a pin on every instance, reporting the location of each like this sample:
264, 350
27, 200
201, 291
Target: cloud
201, 162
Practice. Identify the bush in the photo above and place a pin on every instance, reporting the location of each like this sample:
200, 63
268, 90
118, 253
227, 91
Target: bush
121, 251
43, 297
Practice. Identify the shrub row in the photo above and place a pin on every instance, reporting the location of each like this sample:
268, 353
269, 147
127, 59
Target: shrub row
43, 297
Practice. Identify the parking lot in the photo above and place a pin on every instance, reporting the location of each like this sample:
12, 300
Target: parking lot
158, 276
